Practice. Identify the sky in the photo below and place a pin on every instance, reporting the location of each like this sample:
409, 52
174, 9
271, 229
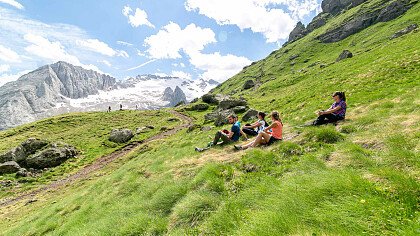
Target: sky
191, 39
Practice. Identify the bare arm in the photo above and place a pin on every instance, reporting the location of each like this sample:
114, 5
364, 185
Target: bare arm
274, 125
329, 111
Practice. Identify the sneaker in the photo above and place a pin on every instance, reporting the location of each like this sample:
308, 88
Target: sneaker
238, 147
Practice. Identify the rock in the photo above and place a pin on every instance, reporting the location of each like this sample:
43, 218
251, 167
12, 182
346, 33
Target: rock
322, 66
344, 55
298, 32
199, 107
336, 6
32, 145
250, 114
206, 128
121, 135
21, 152
150, 126
163, 128
9, 167
22, 172
219, 117
210, 99
51, 157
173, 119
404, 31
319, 21
8, 156
393, 10
292, 57
194, 100
193, 127
239, 109
360, 21
142, 130
230, 103
248, 84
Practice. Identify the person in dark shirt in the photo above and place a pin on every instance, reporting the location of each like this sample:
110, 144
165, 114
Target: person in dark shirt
226, 136
336, 112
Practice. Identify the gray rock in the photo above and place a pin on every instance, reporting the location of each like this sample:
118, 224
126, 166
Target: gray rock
21, 152
336, 6
163, 128
199, 107
248, 84
366, 18
210, 99
239, 109
230, 103
142, 130
8, 156
292, 57
23, 173
206, 128
121, 135
9, 167
219, 117
404, 31
298, 32
150, 126
344, 55
250, 114
51, 157
319, 21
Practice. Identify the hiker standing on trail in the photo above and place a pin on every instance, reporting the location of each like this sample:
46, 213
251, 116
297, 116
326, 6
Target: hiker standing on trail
225, 135
109, 109
120, 107
267, 137
336, 112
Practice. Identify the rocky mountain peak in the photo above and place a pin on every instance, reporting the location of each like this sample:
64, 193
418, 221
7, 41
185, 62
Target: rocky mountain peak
174, 97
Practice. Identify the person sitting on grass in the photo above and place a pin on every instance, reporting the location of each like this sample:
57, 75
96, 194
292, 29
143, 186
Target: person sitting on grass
336, 112
267, 137
225, 135
257, 127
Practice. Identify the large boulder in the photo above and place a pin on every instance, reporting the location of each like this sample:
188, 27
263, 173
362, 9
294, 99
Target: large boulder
32, 145
219, 117
319, 21
9, 167
25, 149
120, 135
248, 84
51, 157
210, 99
393, 10
239, 109
230, 103
250, 114
344, 55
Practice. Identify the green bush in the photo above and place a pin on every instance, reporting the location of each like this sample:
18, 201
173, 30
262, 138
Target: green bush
326, 134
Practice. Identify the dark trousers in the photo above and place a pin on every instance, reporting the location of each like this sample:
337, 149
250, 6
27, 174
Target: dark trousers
328, 118
250, 132
221, 136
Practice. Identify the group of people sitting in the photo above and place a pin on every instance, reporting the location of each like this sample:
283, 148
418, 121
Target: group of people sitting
269, 134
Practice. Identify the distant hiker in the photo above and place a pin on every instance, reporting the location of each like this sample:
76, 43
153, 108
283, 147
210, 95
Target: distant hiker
120, 107
267, 137
225, 135
257, 127
109, 109
336, 112
137, 107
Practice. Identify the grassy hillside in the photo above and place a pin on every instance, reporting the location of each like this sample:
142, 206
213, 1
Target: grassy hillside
361, 177
88, 132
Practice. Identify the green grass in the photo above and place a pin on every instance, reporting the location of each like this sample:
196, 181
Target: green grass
358, 178
88, 132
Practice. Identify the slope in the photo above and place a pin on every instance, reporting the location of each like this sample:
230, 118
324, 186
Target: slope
361, 177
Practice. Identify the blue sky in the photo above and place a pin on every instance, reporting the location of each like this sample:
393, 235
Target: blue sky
209, 39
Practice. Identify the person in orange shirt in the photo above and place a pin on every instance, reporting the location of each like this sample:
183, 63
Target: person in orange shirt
266, 137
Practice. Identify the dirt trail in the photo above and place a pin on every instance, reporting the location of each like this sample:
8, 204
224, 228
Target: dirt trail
100, 162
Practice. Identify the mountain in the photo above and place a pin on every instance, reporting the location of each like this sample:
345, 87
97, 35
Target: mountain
61, 88
358, 177
174, 97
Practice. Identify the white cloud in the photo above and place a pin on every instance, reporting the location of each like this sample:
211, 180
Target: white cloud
218, 67
182, 65
100, 47
51, 51
13, 3
181, 74
8, 55
106, 63
4, 68
139, 18
125, 43
171, 40
260, 16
